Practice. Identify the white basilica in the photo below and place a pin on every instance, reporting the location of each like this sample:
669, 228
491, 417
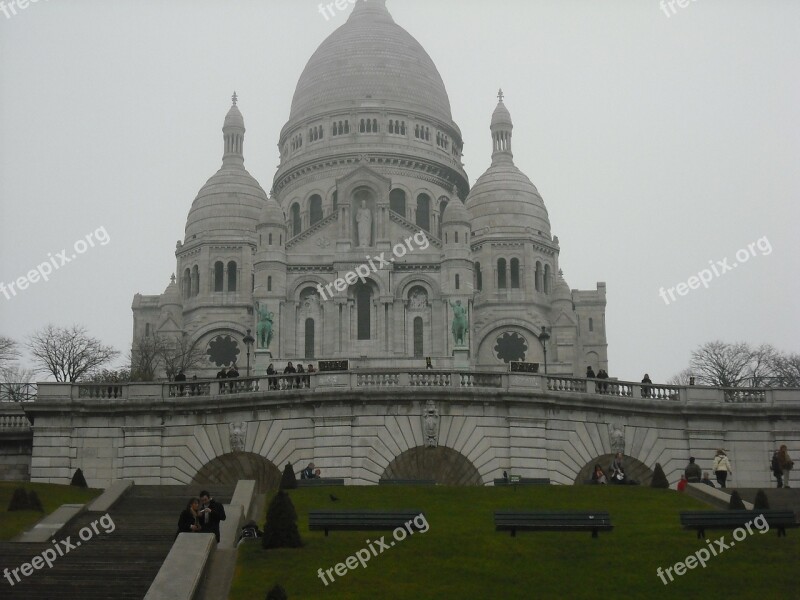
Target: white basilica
370, 156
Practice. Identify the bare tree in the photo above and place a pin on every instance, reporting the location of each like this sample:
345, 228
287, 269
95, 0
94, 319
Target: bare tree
681, 378
145, 357
787, 370
180, 353
721, 364
9, 351
68, 353
108, 376
15, 384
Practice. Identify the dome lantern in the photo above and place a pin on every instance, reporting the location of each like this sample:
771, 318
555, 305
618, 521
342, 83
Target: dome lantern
501, 128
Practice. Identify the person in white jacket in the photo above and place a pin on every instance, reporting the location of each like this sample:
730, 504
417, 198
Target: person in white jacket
722, 467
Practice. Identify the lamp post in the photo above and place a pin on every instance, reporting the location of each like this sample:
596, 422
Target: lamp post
543, 337
248, 341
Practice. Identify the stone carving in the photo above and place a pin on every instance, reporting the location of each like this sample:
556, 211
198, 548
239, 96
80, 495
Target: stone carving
264, 328
430, 424
418, 299
311, 300
616, 437
238, 436
323, 242
460, 322
364, 221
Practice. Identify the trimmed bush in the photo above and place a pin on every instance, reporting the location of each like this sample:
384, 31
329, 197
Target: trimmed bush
761, 502
19, 500
289, 479
277, 593
79, 480
33, 501
736, 502
280, 530
659, 478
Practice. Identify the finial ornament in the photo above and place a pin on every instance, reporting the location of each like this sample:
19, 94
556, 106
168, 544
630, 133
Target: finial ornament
500, 95
235, 98
172, 279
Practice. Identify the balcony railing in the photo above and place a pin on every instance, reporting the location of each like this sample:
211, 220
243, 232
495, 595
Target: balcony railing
17, 392
429, 380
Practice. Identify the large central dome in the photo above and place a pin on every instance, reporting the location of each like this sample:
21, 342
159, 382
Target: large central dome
370, 58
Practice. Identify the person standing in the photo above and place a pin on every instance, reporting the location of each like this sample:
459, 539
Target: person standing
211, 513
645, 388
682, 484
188, 521
233, 372
590, 373
785, 465
722, 468
693, 472
288, 382
180, 378
273, 381
300, 380
310, 369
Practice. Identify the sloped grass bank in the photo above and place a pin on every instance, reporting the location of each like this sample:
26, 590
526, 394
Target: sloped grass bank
52, 496
462, 557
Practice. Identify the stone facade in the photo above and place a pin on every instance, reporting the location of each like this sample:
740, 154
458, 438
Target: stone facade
369, 157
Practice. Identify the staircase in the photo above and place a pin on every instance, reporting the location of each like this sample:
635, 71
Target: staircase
118, 565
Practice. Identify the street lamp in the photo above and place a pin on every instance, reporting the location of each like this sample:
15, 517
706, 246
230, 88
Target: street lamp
248, 341
543, 337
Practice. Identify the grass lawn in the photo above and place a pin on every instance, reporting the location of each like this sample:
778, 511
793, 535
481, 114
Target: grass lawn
52, 496
462, 557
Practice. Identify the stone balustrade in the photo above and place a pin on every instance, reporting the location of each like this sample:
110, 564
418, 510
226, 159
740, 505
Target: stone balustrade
13, 421
429, 379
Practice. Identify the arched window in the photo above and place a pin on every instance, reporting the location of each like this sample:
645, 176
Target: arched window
374, 125
424, 212
309, 338
547, 279
363, 295
296, 225
416, 131
369, 126
315, 208
269, 239
195, 281
335, 199
219, 276
363, 126
397, 202
538, 276
391, 126
514, 273
458, 282
147, 330
231, 276
501, 273
269, 283
402, 127
456, 237
478, 277
187, 283
419, 349
591, 324
347, 126
442, 205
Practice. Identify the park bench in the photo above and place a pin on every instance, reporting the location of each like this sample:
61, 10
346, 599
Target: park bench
320, 481
359, 520
514, 521
732, 519
514, 480
407, 482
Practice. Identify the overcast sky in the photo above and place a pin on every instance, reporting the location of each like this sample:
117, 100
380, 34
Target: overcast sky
659, 143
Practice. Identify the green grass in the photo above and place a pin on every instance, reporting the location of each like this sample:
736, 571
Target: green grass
462, 557
51, 495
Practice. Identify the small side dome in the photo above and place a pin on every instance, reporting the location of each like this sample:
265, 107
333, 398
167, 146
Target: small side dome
171, 295
272, 214
455, 212
561, 291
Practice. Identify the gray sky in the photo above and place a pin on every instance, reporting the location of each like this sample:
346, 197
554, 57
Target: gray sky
658, 144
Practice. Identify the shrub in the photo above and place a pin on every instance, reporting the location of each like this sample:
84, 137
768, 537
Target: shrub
33, 501
79, 480
277, 593
19, 500
761, 502
736, 502
289, 479
280, 530
659, 479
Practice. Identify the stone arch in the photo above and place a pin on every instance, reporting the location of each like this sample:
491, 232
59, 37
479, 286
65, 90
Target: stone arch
404, 284
229, 468
442, 464
634, 469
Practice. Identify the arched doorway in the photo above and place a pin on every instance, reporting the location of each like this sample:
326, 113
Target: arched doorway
230, 468
634, 469
444, 465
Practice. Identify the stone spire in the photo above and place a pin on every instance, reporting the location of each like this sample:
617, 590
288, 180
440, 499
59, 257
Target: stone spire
233, 134
501, 132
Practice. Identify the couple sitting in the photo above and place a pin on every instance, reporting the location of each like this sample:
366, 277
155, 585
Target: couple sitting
616, 473
310, 473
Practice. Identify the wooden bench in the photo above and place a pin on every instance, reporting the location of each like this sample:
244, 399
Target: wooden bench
407, 482
523, 481
360, 520
319, 481
701, 520
513, 521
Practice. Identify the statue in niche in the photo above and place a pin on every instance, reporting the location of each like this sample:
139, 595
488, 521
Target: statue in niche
238, 433
264, 327
460, 322
430, 424
418, 300
311, 301
364, 223
616, 438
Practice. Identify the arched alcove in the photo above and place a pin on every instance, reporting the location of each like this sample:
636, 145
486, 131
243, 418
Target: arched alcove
444, 465
230, 468
634, 469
